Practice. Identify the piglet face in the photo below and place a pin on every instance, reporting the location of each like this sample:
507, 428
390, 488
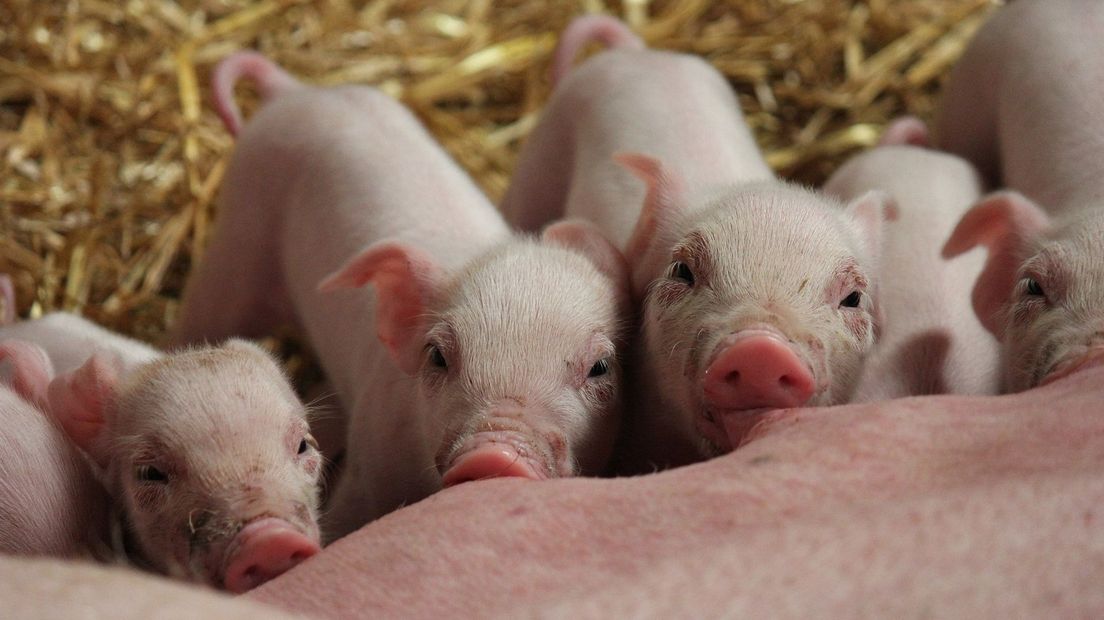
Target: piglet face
214, 463
520, 369
1054, 321
765, 302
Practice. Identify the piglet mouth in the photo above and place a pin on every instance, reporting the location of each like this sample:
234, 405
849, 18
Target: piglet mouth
1074, 364
725, 429
498, 454
264, 549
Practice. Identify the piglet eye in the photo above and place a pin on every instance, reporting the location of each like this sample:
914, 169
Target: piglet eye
307, 442
149, 473
1033, 288
436, 357
681, 271
852, 300
599, 368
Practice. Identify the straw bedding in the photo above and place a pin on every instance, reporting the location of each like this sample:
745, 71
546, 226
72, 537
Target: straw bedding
112, 158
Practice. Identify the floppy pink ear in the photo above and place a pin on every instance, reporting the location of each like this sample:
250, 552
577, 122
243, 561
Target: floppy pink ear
585, 238
81, 402
663, 200
406, 280
1003, 222
31, 370
870, 212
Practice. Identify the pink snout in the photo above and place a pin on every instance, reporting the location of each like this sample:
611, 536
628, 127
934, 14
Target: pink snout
758, 370
263, 550
490, 461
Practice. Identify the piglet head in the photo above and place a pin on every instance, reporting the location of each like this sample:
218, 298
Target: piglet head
209, 455
761, 297
1042, 288
515, 354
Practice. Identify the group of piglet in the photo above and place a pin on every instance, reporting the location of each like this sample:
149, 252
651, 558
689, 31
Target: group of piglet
688, 292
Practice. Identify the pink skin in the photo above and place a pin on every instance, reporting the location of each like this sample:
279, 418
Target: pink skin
51, 588
1023, 104
952, 506
193, 447
444, 334
651, 147
931, 341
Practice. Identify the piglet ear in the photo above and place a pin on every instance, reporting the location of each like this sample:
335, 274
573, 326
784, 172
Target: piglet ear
906, 130
870, 212
664, 199
81, 401
1003, 222
405, 279
585, 238
31, 370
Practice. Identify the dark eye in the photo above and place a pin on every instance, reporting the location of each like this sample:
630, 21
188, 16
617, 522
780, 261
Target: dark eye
681, 271
149, 473
308, 441
599, 368
1033, 288
436, 357
852, 300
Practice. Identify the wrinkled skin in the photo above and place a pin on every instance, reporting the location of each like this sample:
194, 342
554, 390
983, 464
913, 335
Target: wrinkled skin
463, 351
193, 447
1023, 105
930, 340
729, 265
949, 506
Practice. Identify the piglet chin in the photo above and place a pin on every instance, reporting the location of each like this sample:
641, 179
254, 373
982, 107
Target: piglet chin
725, 430
492, 460
737, 424
1071, 365
263, 550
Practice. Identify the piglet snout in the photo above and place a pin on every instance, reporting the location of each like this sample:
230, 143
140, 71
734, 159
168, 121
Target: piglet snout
491, 461
757, 369
263, 550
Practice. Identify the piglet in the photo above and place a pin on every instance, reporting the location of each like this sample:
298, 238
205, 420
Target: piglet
205, 452
50, 503
930, 341
475, 353
1023, 105
755, 294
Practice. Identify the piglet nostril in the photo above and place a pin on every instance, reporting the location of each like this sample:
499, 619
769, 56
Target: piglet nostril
732, 378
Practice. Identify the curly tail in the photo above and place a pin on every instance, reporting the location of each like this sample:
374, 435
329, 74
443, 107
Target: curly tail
270, 79
612, 32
